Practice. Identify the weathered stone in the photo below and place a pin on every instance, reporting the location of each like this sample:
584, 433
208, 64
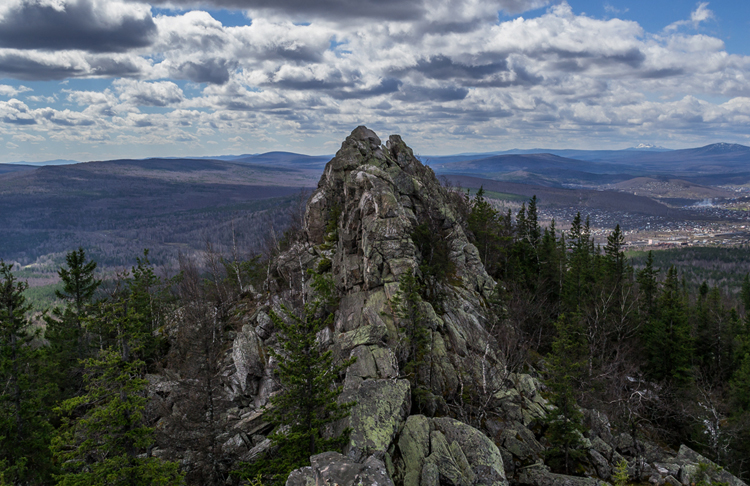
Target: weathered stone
540, 476
414, 447
252, 423
460, 458
430, 475
521, 443
598, 424
234, 446
385, 361
671, 481
256, 452
247, 356
603, 469
303, 476
360, 337
450, 472
716, 473
364, 366
265, 325
332, 468
382, 407
481, 453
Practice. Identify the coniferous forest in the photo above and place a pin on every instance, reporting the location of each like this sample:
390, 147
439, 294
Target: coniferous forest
662, 359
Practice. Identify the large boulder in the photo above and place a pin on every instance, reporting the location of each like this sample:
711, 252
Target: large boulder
458, 453
332, 468
381, 408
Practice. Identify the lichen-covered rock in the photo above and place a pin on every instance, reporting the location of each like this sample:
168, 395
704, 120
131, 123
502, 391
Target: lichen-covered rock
360, 337
694, 463
303, 476
381, 408
480, 451
461, 454
541, 476
364, 365
332, 468
414, 446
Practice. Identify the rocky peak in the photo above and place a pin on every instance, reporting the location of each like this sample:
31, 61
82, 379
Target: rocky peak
382, 192
359, 225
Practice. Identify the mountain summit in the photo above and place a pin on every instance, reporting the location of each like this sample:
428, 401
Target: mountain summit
436, 399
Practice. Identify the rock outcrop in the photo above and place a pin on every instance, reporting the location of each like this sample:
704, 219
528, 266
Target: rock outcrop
358, 226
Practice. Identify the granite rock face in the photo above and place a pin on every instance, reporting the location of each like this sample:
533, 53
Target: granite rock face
358, 225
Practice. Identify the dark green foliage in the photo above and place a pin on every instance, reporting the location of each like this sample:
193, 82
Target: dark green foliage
581, 274
667, 339
740, 385
307, 404
565, 424
414, 335
240, 274
24, 390
492, 234
103, 436
69, 340
648, 289
435, 264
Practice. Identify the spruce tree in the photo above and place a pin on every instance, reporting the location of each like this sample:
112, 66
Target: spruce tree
648, 289
24, 390
104, 439
65, 325
307, 405
486, 225
407, 305
668, 343
565, 365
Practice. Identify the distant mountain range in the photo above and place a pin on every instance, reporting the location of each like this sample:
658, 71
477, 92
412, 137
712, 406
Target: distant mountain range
715, 164
641, 155
117, 205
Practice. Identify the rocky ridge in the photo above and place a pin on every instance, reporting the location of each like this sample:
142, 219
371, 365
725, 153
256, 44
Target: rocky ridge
377, 194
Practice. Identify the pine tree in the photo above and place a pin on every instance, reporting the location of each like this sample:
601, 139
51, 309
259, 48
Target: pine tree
24, 427
65, 330
103, 439
307, 404
565, 423
490, 238
668, 344
648, 288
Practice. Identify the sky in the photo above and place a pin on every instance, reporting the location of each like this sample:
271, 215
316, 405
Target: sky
105, 79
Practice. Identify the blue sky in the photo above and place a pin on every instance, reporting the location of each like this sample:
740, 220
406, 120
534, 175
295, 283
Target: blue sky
104, 79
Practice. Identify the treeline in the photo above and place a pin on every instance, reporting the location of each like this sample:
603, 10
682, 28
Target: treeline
659, 358
73, 397
77, 400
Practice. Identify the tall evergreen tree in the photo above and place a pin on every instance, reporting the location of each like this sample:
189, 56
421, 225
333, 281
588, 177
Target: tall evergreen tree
648, 289
565, 365
103, 439
24, 391
65, 325
308, 402
407, 305
580, 273
490, 234
668, 342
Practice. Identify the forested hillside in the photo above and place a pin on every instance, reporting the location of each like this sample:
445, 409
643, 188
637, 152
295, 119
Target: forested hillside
429, 338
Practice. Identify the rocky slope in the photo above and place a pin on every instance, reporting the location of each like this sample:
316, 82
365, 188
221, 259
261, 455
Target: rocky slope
375, 195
